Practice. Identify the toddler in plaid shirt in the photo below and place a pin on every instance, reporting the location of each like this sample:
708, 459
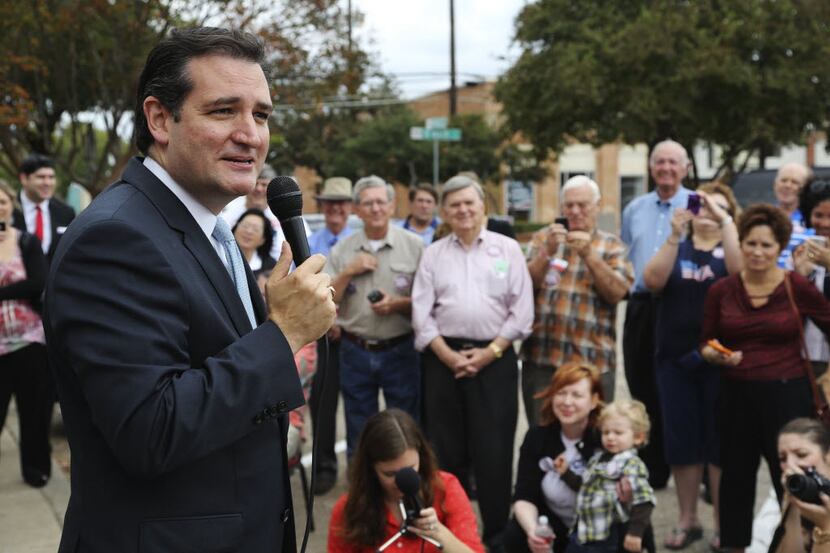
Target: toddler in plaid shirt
601, 517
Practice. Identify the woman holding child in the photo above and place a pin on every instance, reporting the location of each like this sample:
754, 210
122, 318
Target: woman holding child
755, 317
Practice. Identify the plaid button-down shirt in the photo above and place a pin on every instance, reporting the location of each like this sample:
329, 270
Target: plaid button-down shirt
597, 505
572, 321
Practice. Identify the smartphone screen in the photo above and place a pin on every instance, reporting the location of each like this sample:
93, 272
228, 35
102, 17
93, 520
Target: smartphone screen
694, 203
562, 221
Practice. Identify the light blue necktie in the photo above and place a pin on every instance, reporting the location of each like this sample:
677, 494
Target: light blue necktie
236, 267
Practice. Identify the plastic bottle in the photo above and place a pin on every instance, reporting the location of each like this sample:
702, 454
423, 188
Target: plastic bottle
543, 530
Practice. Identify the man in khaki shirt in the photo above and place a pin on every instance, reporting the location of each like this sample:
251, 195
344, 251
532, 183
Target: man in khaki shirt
372, 271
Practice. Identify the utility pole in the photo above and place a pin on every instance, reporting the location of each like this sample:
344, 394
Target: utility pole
453, 91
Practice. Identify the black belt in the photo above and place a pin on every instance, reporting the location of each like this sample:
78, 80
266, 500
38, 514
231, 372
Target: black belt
464, 343
375, 345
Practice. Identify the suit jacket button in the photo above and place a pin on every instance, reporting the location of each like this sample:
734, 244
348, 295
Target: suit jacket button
273, 412
282, 406
285, 515
258, 419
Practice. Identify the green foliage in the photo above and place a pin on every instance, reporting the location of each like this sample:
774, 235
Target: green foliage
382, 146
68, 69
746, 75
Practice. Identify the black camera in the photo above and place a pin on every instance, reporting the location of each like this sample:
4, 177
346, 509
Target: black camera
375, 296
807, 486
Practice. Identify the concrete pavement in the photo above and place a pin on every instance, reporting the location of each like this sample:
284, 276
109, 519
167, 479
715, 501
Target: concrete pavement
30, 518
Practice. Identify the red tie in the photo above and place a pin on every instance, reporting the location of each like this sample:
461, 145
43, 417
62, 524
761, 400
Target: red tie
39, 224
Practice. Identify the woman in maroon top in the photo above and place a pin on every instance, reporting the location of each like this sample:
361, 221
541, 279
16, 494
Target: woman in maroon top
764, 383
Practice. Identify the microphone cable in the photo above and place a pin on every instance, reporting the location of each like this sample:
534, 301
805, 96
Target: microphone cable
321, 363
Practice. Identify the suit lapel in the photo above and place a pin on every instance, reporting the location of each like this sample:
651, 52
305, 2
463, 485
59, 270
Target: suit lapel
178, 218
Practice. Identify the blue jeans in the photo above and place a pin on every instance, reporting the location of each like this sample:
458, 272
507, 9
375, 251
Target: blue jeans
363, 373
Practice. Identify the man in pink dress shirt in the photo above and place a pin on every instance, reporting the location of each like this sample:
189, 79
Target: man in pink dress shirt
472, 298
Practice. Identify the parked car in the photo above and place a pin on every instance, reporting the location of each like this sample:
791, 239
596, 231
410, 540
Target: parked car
755, 187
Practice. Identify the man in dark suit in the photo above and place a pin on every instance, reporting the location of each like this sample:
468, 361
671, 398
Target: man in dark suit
40, 212
174, 399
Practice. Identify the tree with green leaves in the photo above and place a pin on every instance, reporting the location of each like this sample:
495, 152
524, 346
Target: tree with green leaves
69, 68
747, 75
382, 146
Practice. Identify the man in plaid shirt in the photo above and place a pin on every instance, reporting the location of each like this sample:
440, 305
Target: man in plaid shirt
579, 274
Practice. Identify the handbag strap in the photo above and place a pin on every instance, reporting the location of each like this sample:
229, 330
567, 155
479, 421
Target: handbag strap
818, 398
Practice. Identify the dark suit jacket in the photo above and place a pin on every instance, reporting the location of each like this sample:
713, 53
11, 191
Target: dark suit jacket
174, 408
60, 215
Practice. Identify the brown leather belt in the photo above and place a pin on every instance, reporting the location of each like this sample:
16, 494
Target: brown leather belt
375, 345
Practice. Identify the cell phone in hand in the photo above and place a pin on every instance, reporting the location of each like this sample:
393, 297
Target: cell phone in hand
693, 204
374, 296
562, 221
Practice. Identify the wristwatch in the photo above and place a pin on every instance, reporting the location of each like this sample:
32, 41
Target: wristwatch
497, 351
820, 536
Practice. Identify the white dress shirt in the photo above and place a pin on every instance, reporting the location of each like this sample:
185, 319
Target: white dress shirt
30, 215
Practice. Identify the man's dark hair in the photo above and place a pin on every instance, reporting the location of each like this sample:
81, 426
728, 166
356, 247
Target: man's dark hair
423, 187
34, 162
165, 77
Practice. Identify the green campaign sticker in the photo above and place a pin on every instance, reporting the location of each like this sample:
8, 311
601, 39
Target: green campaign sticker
500, 265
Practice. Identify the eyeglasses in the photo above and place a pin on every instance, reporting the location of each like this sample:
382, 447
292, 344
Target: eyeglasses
373, 203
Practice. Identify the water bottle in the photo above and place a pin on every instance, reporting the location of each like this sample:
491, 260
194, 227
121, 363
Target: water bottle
543, 530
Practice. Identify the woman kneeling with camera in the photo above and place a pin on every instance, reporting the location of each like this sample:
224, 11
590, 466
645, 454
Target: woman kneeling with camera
375, 510
804, 454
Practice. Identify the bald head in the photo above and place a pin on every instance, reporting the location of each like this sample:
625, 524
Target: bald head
669, 165
789, 181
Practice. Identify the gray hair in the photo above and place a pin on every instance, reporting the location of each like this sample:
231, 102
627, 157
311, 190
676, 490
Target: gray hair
372, 181
578, 182
669, 144
460, 182
267, 172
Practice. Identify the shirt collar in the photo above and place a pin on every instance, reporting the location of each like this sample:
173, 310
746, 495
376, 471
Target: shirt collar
480, 238
203, 216
363, 243
29, 205
675, 201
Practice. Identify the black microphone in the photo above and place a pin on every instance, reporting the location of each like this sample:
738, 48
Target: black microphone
409, 482
286, 202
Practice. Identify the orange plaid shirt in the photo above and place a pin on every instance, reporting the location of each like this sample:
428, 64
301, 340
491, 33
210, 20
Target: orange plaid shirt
572, 322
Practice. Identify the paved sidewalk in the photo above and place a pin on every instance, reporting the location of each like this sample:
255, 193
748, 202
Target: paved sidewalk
30, 518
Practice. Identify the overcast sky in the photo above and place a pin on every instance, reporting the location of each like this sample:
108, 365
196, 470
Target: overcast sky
413, 37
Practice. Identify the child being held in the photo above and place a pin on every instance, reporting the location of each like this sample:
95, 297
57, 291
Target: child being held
601, 517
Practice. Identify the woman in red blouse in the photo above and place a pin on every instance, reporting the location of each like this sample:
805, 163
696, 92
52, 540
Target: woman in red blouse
764, 383
368, 515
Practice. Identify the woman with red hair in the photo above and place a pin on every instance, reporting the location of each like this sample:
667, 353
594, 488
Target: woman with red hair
570, 405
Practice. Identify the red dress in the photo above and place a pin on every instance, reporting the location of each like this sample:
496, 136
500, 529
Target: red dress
454, 512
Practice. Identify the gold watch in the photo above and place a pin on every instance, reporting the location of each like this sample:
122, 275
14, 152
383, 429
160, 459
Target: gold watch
497, 351
820, 536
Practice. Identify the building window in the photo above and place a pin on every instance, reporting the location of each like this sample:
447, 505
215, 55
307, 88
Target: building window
630, 188
565, 175
519, 199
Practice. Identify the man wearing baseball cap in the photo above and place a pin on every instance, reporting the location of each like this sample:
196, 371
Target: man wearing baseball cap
335, 201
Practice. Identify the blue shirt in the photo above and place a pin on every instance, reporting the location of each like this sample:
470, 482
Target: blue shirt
646, 224
323, 240
427, 234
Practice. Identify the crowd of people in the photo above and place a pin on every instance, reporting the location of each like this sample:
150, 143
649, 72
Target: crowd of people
727, 316
429, 317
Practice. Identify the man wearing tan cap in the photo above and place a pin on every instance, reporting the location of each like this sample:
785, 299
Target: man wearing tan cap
335, 201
